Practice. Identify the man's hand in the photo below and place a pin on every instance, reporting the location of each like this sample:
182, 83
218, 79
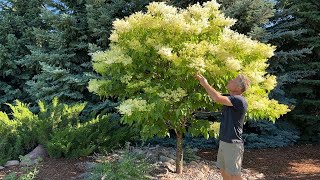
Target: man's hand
215, 96
201, 79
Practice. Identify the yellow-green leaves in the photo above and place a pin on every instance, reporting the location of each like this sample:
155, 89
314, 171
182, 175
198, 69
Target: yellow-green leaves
130, 105
154, 55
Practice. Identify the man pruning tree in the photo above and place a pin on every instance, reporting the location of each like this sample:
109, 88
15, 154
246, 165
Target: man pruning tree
230, 153
150, 49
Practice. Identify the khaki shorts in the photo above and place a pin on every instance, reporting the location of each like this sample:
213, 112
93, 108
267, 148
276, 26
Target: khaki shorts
230, 157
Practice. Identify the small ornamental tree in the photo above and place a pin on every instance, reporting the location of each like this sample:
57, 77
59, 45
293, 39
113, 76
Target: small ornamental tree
154, 56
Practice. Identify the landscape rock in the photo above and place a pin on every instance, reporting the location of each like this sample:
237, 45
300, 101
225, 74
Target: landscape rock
1, 167
169, 166
260, 176
159, 171
12, 163
193, 163
38, 152
199, 175
138, 151
166, 159
205, 169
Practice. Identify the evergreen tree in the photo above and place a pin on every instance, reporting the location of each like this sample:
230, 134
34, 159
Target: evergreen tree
101, 14
17, 18
286, 33
294, 30
251, 15
62, 50
61, 53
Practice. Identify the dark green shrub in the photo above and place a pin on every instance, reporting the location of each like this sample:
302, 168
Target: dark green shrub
57, 126
17, 134
129, 166
65, 136
257, 134
265, 134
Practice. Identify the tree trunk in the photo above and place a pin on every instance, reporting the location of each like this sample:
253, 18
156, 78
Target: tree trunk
179, 155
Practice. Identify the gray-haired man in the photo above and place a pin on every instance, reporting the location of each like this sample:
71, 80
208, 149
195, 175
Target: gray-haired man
230, 153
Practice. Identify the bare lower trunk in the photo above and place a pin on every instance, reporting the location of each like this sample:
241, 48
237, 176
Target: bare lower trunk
179, 160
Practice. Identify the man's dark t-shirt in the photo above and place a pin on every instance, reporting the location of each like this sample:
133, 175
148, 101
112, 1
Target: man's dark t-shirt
231, 126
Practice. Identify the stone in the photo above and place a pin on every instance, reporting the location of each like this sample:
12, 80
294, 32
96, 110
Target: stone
193, 163
152, 159
29, 162
1, 167
159, 171
199, 175
205, 169
252, 178
169, 166
138, 151
260, 176
12, 163
166, 159
246, 171
38, 152
172, 155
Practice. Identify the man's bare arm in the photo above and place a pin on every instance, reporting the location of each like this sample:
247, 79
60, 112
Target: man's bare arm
215, 95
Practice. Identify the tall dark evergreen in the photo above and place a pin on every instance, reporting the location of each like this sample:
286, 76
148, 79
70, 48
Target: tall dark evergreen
101, 14
307, 90
17, 20
286, 32
61, 53
295, 32
251, 15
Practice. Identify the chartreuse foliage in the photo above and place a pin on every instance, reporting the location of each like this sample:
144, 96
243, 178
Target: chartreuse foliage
153, 57
16, 132
57, 126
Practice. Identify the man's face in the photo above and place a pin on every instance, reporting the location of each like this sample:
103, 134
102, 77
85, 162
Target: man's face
233, 84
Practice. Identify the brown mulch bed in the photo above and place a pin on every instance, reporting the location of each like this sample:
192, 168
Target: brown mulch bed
61, 169
297, 162
54, 169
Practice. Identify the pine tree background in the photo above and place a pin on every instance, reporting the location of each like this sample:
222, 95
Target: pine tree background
61, 54
306, 113
45, 47
17, 20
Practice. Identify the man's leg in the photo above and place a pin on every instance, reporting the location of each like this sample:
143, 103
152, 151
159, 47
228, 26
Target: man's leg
233, 161
238, 177
225, 175
220, 161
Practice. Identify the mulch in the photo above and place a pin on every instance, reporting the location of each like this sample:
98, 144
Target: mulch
296, 162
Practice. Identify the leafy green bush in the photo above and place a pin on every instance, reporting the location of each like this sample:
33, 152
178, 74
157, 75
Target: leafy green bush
17, 134
101, 134
57, 126
129, 166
